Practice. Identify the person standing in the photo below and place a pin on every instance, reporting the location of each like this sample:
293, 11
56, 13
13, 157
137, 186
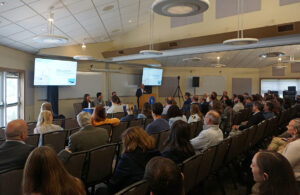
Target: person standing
139, 92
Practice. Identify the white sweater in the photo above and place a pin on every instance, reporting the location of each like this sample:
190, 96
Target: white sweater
292, 153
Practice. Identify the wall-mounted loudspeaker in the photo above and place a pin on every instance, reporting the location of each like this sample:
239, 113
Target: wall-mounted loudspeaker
195, 82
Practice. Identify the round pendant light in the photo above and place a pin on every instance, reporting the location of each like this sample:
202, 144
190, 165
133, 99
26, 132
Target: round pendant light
151, 52
180, 8
240, 41
272, 55
83, 57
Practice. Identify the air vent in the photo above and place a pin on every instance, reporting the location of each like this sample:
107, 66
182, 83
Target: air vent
173, 44
121, 51
286, 27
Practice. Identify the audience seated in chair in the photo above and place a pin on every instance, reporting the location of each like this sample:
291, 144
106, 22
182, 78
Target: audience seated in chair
169, 103
214, 103
86, 103
130, 113
138, 149
196, 115
14, 151
255, 119
99, 100
99, 117
174, 114
238, 103
211, 134
146, 112
178, 147
273, 174
268, 110
248, 102
227, 117
164, 177
48, 106
159, 124
115, 107
45, 174
187, 103
204, 105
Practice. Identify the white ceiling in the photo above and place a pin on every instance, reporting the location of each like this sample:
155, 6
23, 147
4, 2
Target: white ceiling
79, 20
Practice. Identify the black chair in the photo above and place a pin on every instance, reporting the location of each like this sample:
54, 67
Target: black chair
193, 127
55, 139
72, 131
31, 127
33, 140
107, 127
100, 164
11, 182
163, 137
2, 141
134, 123
220, 154
58, 122
75, 164
2, 133
117, 132
118, 115
206, 164
261, 127
138, 188
147, 122
71, 123
109, 115
77, 108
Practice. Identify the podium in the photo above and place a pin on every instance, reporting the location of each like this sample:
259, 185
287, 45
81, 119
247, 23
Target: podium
145, 98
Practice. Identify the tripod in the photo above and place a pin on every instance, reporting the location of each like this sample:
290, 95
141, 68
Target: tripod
178, 92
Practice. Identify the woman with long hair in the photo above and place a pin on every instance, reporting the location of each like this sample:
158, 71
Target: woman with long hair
45, 174
178, 146
174, 114
196, 114
273, 174
86, 103
146, 111
138, 149
99, 117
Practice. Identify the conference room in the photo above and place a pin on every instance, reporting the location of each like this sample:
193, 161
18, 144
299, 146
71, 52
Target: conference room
57, 51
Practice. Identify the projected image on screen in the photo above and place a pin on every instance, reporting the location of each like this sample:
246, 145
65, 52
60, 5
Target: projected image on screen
54, 72
152, 76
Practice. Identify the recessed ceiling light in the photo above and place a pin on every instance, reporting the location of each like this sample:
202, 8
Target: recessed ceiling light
272, 55
115, 31
2, 3
129, 21
83, 46
180, 8
107, 8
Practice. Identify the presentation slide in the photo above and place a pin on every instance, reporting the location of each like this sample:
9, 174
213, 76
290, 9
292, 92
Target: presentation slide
48, 72
152, 76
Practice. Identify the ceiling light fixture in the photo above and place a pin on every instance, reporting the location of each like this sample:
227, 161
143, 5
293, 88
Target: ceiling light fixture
2, 3
240, 40
151, 50
272, 55
218, 64
83, 57
50, 38
180, 8
130, 21
107, 8
83, 46
154, 65
192, 59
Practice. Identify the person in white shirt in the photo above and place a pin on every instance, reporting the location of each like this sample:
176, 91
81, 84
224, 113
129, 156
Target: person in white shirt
115, 106
238, 103
211, 135
175, 114
169, 102
196, 115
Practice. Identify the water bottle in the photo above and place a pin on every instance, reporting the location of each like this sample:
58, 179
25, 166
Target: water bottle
89, 104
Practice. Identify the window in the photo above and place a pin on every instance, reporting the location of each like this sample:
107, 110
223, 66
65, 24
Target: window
279, 85
9, 97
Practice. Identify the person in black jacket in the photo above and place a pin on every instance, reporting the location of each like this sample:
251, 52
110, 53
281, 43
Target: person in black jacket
14, 151
86, 101
138, 149
256, 117
139, 92
178, 146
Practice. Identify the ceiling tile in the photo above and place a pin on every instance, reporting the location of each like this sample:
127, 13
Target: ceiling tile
10, 29
10, 4
65, 21
41, 29
125, 3
80, 6
32, 22
87, 15
68, 2
4, 22
6, 41
21, 35
18, 14
102, 2
43, 6
57, 13
130, 9
29, 1
71, 27
101, 7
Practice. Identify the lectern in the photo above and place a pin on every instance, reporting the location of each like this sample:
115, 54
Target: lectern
145, 98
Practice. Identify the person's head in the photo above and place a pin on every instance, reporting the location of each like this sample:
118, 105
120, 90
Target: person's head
46, 106
213, 95
179, 138
293, 128
187, 95
163, 177
130, 109
225, 93
84, 119
146, 110
142, 86
205, 95
194, 109
157, 108
16, 130
45, 118
248, 99
99, 113
245, 94
86, 97
99, 95
239, 99
173, 111
136, 137
115, 99
228, 102
212, 118
268, 107
274, 173
113, 93
195, 99
257, 107
169, 100
44, 173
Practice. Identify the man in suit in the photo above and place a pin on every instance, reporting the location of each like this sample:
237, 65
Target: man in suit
139, 92
14, 151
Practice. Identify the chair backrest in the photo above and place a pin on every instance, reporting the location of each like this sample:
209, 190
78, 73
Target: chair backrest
221, 152
1, 141
58, 122
137, 122
72, 131
206, 163
233, 149
147, 122
109, 115
11, 182
272, 127
77, 108
75, 163
31, 127
193, 127
117, 132
2, 133
108, 127
118, 115
162, 139
100, 164
71, 123
55, 139
156, 138
190, 168
250, 138
199, 127
138, 188
33, 140
261, 127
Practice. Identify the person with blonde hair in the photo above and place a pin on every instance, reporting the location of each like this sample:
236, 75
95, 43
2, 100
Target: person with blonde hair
138, 149
45, 174
44, 124
130, 113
